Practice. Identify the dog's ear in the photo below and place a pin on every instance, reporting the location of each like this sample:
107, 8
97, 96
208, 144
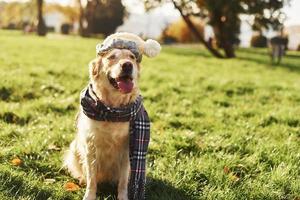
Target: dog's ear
94, 66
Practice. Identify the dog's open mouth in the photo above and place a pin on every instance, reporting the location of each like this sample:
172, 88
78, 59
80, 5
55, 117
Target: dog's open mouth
123, 83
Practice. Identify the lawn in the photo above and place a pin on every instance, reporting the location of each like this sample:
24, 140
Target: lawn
221, 129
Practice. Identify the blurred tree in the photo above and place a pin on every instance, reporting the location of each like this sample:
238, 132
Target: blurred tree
12, 14
180, 32
71, 14
41, 26
259, 40
267, 13
187, 9
17, 13
104, 16
224, 17
65, 28
81, 18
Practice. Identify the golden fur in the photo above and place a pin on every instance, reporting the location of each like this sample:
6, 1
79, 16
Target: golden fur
100, 150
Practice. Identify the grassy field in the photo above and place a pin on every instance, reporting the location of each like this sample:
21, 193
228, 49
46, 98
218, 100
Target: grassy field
221, 129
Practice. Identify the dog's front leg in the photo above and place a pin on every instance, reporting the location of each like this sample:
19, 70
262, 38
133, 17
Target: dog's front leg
123, 179
91, 169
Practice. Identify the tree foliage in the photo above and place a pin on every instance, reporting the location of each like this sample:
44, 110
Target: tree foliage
104, 16
267, 13
17, 13
70, 13
23, 13
259, 41
224, 17
180, 32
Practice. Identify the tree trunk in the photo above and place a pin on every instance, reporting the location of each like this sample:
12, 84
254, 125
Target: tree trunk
221, 34
90, 10
229, 50
192, 27
81, 18
41, 26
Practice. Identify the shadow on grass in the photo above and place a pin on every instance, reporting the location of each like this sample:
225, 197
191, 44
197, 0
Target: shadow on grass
261, 56
155, 190
187, 52
257, 55
15, 185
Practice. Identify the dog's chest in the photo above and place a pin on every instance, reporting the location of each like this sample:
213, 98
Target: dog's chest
111, 133
111, 142
106, 135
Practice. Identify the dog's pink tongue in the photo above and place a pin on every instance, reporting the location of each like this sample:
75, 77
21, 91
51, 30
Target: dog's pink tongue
125, 86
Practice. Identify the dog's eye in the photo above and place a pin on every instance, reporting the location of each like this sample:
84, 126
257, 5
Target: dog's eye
111, 57
132, 57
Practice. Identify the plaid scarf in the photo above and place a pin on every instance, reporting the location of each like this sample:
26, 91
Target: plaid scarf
139, 134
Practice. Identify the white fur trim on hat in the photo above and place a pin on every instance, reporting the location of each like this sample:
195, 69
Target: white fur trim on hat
151, 48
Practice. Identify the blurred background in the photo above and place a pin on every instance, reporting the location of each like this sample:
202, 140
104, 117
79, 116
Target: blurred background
218, 24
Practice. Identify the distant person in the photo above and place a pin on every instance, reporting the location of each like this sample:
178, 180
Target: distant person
278, 47
28, 28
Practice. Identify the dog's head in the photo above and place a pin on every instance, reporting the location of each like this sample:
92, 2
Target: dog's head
116, 70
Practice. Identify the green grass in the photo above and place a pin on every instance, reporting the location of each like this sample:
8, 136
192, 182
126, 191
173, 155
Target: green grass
221, 129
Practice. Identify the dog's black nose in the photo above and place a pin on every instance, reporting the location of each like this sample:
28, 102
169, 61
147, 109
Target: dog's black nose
127, 67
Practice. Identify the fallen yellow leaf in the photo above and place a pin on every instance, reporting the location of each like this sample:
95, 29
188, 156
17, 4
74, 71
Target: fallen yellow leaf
234, 178
16, 161
69, 186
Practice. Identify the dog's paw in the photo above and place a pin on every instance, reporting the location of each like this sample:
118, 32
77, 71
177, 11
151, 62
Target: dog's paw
89, 196
82, 181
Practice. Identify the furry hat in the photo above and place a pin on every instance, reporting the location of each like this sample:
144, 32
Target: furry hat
132, 42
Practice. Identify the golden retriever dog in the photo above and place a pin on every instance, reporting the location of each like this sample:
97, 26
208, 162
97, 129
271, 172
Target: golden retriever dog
100, 150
